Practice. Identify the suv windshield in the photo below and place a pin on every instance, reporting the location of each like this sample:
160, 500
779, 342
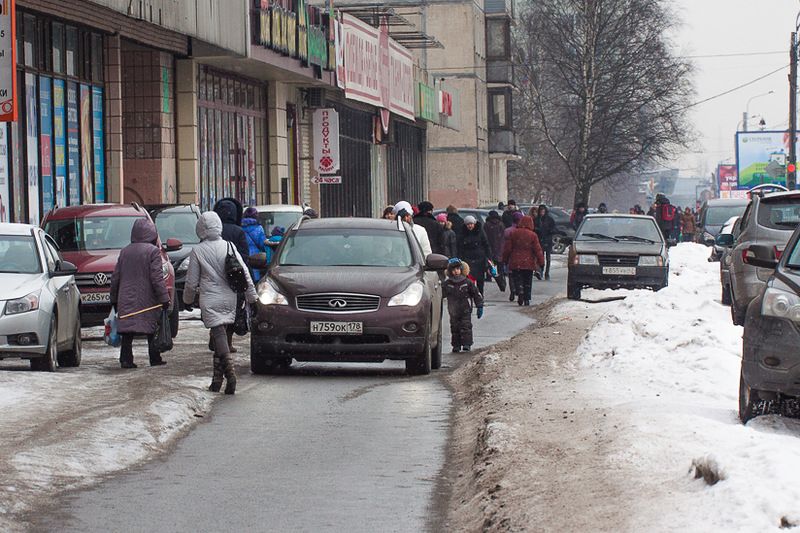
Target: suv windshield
179, 224
719, 215
780, 213
354, 247
284, 219
619, 228
91, 233
18, 255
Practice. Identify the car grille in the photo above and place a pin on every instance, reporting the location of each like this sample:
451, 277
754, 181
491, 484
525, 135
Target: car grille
618, 260
338, 303
87, 279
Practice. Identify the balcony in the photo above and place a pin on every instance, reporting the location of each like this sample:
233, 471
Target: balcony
502, 142
499, 7
501, 71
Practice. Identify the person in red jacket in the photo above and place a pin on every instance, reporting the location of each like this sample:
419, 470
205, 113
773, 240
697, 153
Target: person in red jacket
523, 254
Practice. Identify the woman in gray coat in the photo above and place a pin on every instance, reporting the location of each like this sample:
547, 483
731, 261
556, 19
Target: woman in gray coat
206, 275
138, 291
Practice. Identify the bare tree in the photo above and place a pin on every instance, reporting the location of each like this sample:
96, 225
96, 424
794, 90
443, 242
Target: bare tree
599, 83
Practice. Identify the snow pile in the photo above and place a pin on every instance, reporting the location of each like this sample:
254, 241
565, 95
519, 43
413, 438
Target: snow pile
667, 366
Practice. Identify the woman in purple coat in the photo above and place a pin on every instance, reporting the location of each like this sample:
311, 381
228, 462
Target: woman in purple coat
139, 291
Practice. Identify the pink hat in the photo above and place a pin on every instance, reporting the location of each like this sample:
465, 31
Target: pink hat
441, 217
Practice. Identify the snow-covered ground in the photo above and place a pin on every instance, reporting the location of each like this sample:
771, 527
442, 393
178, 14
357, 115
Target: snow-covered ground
669, 363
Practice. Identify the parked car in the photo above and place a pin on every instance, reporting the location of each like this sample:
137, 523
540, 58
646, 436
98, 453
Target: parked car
349, 290
724, 246
40, 317
480, 214
769, 220
771, 347
714, 214
283, 215
613, 251
719, 249
177, 222
565, 233
91, 237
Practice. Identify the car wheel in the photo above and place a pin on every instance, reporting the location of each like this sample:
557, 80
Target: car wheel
750, 405
573, 290
436, 353
558, 245
72, 357
49, 362
421, 365
258, 363
726, 295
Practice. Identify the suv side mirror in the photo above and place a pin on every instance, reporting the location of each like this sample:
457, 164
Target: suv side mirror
173, 245
725, 239
65, 268
760, 255
436, 262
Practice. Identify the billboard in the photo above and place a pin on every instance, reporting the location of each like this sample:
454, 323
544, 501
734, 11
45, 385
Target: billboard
727, 179
761, 157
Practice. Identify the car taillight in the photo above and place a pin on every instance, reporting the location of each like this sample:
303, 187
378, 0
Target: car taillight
778, 253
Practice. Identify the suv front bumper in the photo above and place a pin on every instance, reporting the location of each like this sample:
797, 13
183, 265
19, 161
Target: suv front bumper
592, 276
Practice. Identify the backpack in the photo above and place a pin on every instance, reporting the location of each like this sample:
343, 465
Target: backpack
668, 212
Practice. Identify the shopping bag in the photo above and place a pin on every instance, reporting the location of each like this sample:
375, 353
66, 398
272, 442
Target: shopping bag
111, 335
162, 340
501, 282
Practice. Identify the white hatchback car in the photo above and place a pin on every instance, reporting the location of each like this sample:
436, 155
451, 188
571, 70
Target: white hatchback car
39, 300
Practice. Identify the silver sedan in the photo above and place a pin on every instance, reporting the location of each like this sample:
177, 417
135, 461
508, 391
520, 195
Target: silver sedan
39, 301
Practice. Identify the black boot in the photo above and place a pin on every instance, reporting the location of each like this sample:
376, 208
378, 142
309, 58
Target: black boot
128, 364
230, 374
216, 380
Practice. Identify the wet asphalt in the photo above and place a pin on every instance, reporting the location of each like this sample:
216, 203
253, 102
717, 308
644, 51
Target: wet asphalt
325, 447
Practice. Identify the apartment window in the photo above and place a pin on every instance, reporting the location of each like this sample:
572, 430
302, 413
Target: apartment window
498, 38
500, 108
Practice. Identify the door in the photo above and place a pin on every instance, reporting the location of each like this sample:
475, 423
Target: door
65, 291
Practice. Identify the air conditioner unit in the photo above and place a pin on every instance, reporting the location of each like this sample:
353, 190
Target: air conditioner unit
316, 97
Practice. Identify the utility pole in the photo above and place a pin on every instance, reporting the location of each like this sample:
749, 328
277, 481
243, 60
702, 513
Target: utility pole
744, 121
791, 174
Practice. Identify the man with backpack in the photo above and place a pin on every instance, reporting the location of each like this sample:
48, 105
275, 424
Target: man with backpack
666, 216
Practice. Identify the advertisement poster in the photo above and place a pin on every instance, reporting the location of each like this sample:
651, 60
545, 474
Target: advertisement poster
761, 157
73, 145
8, 61
727, 178
32, 136
87, 176
361, 61
4, 173
59, 143
99, 146
326, 141
46, 141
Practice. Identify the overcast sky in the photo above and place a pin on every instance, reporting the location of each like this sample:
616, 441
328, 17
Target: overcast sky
714, 27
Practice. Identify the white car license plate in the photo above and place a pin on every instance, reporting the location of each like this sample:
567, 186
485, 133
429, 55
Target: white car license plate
337, 328
619, 271
96, 298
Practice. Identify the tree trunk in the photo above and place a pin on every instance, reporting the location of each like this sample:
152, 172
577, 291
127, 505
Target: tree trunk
582, 191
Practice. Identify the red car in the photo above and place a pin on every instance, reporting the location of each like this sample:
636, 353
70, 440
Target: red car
91, 237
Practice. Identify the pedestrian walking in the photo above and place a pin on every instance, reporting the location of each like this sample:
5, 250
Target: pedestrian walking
256, 238
508, 214
578, 215
689, 225
545, 226
450, 239
512, 290
494, 229
139, 292
230, 213
218, 302
404, 212
426, 220
461, 296
523, 254
455, 219
667, 217
473, 248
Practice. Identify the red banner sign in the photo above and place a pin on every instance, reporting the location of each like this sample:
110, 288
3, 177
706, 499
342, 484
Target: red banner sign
8, 62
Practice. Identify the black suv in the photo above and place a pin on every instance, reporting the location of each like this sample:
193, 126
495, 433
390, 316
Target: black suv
771, 348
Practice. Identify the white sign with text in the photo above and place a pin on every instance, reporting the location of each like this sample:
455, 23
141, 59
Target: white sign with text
326, 141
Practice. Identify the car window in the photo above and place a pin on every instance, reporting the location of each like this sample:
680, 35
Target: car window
794, 258
91, 233
624, 228
50, 254
779, 213
272, 219
718, 215
177, 225
355, 247
745, 220
19, 255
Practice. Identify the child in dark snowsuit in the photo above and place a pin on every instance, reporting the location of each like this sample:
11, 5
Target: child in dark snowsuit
461, 294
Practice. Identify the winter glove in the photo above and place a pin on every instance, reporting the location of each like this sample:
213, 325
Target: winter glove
480, 312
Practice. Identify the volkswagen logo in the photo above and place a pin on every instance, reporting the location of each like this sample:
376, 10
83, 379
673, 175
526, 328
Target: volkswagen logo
337, 303
100, 279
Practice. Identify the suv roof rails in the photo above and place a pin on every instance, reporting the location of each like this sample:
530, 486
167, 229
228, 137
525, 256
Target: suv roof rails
136, 206
766, 188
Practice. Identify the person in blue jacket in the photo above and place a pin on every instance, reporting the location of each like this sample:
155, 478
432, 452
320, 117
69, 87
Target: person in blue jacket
256, 238
276, 236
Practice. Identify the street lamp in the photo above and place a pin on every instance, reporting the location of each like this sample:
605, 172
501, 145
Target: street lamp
747, 108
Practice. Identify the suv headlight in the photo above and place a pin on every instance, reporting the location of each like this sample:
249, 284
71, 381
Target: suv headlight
23, 305
651, 261
269, 295
588, 259
409, 297
781, 304
183, 266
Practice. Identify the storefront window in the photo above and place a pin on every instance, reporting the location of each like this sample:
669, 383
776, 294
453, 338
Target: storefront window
72, 50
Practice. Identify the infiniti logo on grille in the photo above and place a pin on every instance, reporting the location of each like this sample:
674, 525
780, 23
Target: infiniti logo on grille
337, 303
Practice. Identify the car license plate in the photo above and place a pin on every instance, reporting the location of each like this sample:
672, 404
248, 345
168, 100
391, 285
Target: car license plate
96, 298
619, 271
337, 328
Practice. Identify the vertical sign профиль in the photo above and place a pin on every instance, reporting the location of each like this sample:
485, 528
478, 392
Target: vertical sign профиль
8, 71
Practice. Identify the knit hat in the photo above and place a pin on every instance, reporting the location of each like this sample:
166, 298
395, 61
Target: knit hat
517, 216
278, 231
441, 217
251, 212
454, 262
469, 219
